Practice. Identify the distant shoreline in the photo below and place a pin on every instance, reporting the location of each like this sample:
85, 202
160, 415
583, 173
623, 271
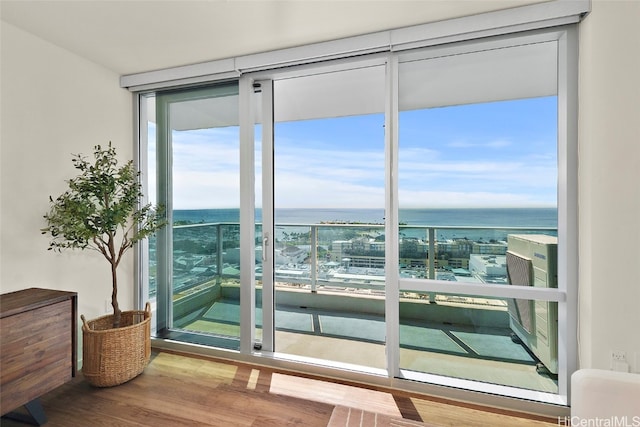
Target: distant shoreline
444, 217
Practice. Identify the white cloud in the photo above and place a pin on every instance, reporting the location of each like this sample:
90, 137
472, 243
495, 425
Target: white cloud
298, 190
496, 143
206, 175
468, 199
205, 190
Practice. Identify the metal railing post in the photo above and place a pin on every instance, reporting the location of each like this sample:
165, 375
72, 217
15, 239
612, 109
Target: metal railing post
432, 260
314, 258
219, 250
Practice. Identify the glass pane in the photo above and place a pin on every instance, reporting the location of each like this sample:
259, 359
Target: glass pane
478, 179
329, 216
466, 254
500, 341
477, 152
203, 136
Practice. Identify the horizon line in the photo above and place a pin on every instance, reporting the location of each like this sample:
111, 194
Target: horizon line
381, 208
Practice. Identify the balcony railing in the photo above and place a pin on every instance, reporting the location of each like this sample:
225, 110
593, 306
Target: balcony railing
335, 274
342, 255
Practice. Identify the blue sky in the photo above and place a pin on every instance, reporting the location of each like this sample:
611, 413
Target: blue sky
500, 154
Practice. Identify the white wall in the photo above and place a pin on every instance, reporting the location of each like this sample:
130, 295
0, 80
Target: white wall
54, 104
609, 181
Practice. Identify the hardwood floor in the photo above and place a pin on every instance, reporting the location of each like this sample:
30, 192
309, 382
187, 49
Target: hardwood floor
178, 390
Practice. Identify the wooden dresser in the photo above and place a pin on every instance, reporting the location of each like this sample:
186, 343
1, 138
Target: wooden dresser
38, 344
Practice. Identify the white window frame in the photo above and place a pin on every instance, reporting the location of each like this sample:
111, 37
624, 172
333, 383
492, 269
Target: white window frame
547, 18
566, 293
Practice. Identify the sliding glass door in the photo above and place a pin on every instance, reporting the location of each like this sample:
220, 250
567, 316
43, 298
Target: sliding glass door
328, 197
478, 203
407, 214
198, 174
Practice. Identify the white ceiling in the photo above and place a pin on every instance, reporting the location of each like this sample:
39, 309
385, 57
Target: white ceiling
136, 36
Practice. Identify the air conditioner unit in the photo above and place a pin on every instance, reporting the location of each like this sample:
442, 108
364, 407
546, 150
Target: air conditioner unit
532, 260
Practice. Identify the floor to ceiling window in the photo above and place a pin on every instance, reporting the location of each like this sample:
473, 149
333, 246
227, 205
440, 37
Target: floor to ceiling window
195, 262
478, 183
329, 194
411, 217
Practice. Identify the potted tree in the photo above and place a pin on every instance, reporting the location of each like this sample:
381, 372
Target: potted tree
101, 211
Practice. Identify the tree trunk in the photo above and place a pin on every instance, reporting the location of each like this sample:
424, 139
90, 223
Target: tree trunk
114, 297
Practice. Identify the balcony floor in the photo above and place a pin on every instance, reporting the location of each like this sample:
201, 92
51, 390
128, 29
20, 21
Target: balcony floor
488, 355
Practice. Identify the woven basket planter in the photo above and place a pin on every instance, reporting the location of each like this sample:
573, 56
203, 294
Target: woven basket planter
115, 356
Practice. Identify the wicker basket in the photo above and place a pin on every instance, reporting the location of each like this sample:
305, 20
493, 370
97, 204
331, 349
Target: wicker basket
115, 356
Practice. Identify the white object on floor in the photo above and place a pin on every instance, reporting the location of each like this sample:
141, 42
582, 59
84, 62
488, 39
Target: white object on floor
601, 397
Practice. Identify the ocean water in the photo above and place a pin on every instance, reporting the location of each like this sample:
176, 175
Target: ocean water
477, 217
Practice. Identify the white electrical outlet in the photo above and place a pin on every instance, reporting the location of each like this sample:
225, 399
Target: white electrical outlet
619, 361
618, 356
107, 306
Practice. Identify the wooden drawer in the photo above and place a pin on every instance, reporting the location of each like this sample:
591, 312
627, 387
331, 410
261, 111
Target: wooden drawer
37, 345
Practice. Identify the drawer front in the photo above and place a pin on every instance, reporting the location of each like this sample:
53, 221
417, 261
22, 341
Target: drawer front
35, 353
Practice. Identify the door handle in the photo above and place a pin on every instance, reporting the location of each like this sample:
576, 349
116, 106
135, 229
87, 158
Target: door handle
265, 243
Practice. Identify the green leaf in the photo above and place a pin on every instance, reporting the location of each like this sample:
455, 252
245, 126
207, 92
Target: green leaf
101, 208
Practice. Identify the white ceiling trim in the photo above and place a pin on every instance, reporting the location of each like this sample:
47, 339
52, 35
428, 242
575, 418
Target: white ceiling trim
535, 16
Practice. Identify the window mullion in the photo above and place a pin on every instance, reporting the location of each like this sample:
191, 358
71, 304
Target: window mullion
568, 207
268, 235
247, 217
392, 274
164, 306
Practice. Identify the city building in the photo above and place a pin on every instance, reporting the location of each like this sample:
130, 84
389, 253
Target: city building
488, 265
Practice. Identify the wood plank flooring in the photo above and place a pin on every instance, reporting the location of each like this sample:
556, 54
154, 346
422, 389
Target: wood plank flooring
180, 390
